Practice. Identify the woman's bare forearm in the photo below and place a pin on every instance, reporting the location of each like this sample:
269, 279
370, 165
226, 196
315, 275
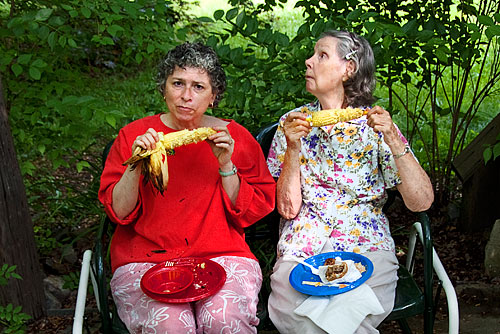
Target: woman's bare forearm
415, 187
288, 187
289, 195
126, 192
231, 183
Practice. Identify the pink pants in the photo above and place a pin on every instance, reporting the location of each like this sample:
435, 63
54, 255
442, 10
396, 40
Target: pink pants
231, 310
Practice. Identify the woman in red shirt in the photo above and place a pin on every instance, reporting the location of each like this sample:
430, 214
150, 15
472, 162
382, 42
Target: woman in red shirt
216, 188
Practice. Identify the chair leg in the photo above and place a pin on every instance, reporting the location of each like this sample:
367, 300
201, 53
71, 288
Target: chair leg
82, 293
429, 321
404, 326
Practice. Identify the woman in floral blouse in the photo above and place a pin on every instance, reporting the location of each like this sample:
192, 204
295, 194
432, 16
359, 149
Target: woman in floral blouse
332, 180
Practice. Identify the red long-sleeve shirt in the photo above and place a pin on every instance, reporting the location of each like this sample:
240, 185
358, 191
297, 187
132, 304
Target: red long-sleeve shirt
194, 216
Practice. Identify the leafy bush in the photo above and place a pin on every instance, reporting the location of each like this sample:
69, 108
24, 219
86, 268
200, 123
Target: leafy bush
492, 152
49, 52
12, 320
72, 280
7, 272
47, 47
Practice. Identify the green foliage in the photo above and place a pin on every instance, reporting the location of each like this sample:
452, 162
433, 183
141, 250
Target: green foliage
49, 52
47, 47
265, 74
6, 272
12, 320
72, 280
45, 240
437, 63
492, 152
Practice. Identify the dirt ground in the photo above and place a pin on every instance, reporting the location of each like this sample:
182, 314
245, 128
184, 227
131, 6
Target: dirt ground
474, 319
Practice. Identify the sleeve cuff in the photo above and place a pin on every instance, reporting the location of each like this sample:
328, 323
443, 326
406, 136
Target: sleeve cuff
130, 218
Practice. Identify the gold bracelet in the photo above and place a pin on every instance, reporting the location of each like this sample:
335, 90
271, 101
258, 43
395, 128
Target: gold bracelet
405, 151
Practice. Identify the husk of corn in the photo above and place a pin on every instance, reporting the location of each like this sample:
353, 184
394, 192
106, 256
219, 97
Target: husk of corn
154, 162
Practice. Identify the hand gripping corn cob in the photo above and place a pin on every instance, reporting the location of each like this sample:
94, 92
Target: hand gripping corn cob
154, 162
333, 116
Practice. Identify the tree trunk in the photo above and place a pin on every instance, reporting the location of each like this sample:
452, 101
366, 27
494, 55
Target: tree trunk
17, 241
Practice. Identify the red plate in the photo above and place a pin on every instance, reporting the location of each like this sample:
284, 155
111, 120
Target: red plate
208, 279
168, 280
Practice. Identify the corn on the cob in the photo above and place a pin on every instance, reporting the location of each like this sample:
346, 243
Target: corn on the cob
154, 162
333, 116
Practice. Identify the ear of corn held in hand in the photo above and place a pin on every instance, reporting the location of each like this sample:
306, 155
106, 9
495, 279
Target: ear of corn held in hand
333, 116
154, 162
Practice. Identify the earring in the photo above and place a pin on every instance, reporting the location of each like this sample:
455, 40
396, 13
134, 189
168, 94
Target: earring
211, 105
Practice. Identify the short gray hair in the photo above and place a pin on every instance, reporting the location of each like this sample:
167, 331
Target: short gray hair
195, 55
360, 86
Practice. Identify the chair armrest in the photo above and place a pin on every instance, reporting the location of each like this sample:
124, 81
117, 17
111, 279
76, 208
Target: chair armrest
82, 293
451, 296
432, 264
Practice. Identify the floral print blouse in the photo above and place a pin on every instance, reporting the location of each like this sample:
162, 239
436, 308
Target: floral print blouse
345, 170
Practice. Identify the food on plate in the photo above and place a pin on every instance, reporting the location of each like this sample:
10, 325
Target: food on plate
361, 268
335, 270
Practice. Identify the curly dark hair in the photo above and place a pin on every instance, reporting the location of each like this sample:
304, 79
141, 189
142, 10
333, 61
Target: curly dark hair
359, 87
195, 55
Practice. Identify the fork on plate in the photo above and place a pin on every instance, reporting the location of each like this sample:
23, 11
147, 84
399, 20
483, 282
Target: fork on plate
179, 262
314, 270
